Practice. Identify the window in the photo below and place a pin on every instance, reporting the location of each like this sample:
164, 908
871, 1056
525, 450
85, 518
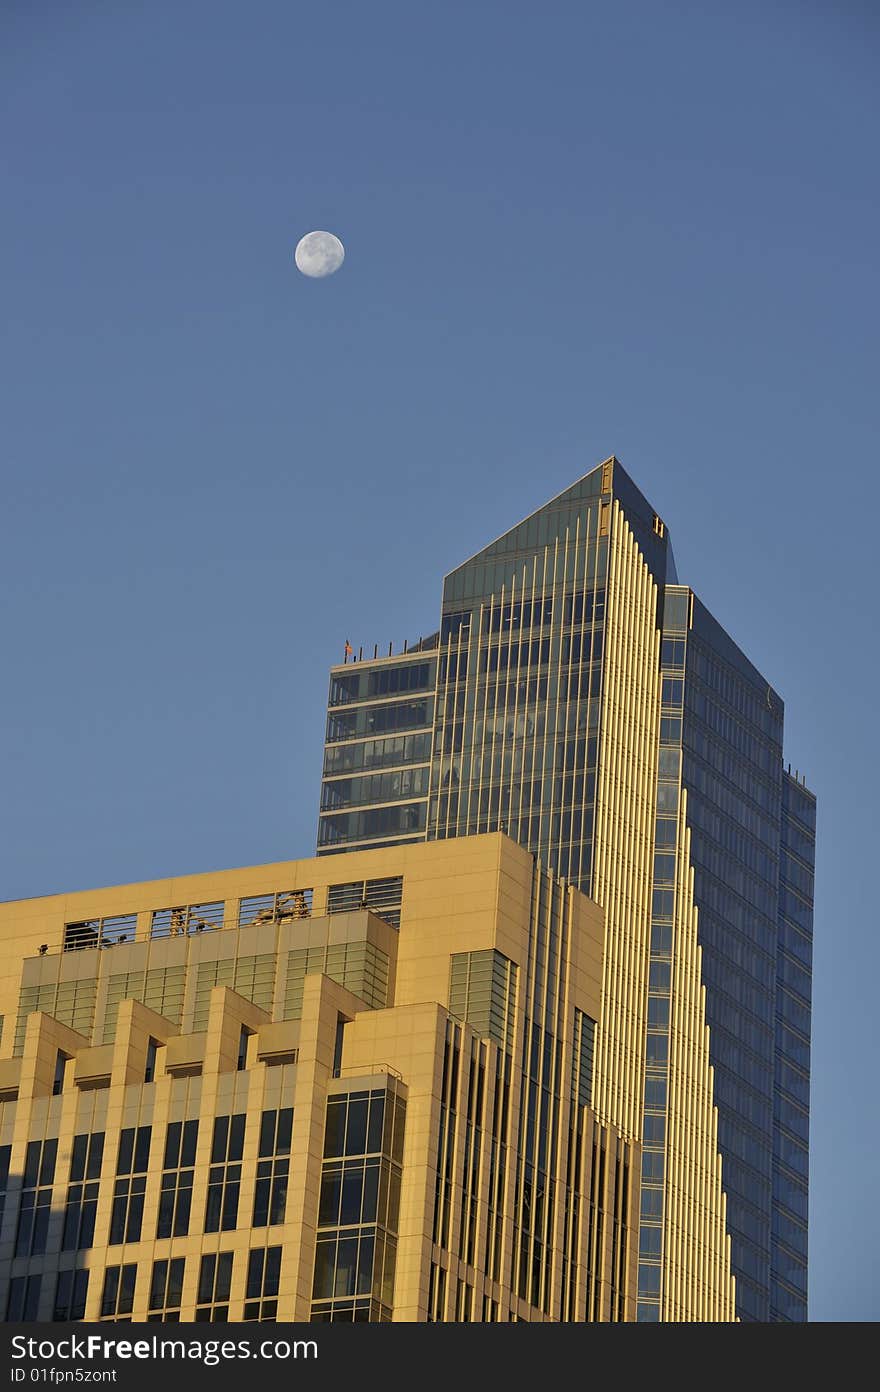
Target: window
99, 932
338, 1045
377, 753
224, 1176
360, 967
344, 689
58, 1080
672, 652
464, 1302
23, 1300
374, 788
383, 896
5, 1156
396, 717
175, 1198
184, 919
349, 1192
582, 1059
252, 977
436, 1294
286, 904
166, 1290
36, 1198
388, 682
215, 1281
160, 988
243, 1037
71, 1290
82, 1192
343, 1265
261, 1292
482, 991
399, 819
150, 1065
72, 1003
117, 1298
356, 1245
273, 1166
128, 1190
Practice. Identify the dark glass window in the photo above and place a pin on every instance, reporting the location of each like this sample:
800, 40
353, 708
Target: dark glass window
224, 1176
134, 1150
343, 1266
273, 1166
396, 820
166, 1289
261, 1292
23, 1301
71, 1290
181, 1140
130, 1185
354, 1123
82, 1193
386, 681
358, 1207
215, 1283
5, 1157
150, 1065
349, 1193
58, 1080
276, 1129
36, 1198
117, 1297
175, 1199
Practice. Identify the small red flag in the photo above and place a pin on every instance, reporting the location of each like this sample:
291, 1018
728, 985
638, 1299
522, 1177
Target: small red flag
349, 650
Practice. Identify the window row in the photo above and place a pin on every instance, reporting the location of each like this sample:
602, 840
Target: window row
375, 787
377, 753
377, 720
130, 1182
165, 1296
179, 920
357, 685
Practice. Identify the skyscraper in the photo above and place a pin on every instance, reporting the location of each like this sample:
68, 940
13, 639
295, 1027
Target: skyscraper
580, 699
434, 1074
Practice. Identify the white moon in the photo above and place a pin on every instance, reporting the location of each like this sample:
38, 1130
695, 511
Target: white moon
319, 254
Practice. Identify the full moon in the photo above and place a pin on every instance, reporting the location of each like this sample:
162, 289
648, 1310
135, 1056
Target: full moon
319, 254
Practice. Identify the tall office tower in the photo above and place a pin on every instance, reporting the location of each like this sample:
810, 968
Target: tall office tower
586, 703
356, 1089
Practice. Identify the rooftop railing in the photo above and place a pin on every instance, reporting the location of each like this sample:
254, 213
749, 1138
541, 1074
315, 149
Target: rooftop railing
184, 920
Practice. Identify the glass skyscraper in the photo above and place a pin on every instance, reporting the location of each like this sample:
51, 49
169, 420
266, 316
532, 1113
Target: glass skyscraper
580, 699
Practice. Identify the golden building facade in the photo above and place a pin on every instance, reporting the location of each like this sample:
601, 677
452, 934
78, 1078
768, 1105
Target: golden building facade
357, 1088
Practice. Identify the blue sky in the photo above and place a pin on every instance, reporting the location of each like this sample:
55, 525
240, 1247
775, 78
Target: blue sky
571, 230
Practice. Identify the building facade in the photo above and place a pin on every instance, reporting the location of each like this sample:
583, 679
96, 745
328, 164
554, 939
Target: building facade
580, 699
347, 1089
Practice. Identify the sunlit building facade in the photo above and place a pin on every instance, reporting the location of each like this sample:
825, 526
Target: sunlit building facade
353, 1089
580, 699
